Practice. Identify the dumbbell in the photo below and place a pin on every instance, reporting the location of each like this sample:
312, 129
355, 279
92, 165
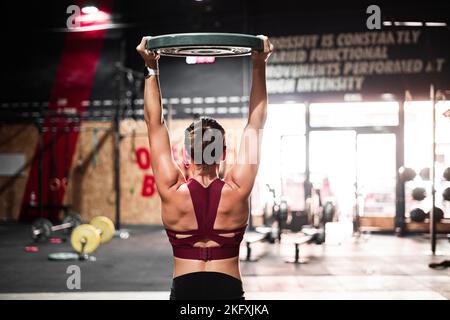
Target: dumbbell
42, 228
86, 238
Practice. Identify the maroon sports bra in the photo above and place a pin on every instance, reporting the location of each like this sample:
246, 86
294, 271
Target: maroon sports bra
205, 201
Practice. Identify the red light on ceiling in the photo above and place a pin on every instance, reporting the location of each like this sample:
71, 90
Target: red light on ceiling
89, 9
92, 16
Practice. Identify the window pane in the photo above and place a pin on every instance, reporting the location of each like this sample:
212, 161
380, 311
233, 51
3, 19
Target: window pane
332, 160
376, 175
292, 173
354, 114
282, 120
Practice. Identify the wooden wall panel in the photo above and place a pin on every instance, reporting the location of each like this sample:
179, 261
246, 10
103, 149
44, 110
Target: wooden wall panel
19, 138
90, 190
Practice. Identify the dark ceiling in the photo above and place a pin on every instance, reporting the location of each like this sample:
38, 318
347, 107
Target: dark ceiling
34, 31
211, 15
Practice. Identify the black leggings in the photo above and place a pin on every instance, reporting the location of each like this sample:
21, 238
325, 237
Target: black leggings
206, 286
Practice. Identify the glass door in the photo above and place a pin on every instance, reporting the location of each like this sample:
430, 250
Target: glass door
332, 165
353, 154
376, 176
292, 170
356, 171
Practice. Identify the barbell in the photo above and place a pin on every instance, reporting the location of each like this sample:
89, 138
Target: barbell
205, 44
86, 238
42, 228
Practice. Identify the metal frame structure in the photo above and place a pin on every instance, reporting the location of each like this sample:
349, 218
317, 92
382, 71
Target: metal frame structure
66, 121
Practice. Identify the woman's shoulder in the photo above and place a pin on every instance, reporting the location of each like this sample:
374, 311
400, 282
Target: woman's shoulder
232, 190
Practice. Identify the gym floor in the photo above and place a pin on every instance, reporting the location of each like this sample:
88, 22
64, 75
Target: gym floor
370, 267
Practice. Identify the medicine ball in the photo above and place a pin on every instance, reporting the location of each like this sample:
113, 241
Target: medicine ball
406, 174
447, 174
425, 174
417, 215
438, 214
419, 194
446, 194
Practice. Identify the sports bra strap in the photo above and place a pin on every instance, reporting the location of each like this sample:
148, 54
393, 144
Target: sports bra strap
205, 201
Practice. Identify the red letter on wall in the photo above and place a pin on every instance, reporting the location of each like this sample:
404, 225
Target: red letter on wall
143, 158
148, 186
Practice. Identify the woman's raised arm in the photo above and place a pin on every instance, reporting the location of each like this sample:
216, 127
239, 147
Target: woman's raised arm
243, 173
167, 173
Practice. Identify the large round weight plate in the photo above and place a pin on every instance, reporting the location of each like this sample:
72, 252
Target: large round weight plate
85, 238
205, 44
74, 219
63, 256
41, 229
106, 227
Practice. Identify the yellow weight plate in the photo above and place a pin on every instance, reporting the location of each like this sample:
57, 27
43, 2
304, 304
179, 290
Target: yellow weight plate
106, 227
85, 238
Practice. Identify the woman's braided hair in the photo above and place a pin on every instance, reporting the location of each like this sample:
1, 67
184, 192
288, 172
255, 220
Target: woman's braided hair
209, 130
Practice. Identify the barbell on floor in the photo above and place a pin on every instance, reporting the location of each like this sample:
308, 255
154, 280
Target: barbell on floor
42, 228
86, 238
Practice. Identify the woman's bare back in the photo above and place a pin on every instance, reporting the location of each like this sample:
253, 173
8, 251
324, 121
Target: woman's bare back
179, 215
